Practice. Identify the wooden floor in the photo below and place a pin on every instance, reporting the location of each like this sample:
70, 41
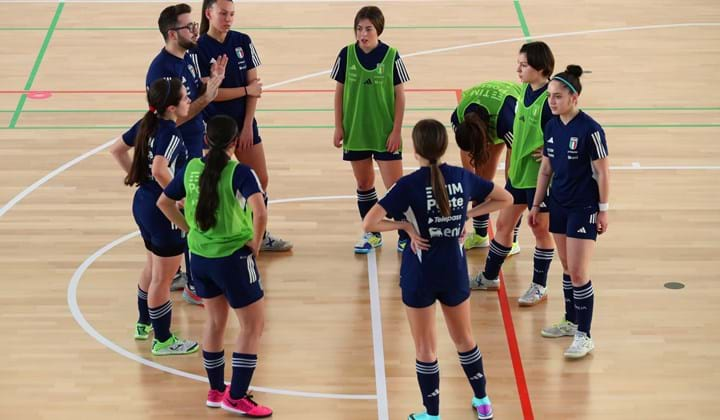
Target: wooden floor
67, 290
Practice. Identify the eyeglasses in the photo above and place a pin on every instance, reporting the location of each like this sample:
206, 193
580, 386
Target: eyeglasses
192, 27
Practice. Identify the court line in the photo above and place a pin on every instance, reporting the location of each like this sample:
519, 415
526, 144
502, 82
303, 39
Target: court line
268, 90
378, 347
521, 18
36, 65
77, 314
452, 48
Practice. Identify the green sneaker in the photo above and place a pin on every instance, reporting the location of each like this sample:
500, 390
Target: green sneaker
173, 345
142, 331
368, 242
515, 249
473, 240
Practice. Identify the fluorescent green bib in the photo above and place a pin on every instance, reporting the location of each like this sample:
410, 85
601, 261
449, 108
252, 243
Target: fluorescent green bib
234, 226
527, 136
368, 103
491, 96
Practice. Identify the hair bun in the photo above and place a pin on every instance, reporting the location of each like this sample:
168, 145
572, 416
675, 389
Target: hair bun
575, 70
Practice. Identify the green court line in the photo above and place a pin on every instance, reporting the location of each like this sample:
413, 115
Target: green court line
328, 126
274, 28
36, 66
521, 18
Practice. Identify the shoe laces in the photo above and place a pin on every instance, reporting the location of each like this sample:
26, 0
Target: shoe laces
249, 398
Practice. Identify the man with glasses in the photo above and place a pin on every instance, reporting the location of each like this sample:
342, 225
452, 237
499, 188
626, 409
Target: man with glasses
177, 60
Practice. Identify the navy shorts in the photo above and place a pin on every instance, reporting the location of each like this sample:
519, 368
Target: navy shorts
574, 222
235, 276
422, 298
524, 196
160, 236
353, 155
442, 276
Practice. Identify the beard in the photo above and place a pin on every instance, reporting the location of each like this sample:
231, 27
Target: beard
187, 44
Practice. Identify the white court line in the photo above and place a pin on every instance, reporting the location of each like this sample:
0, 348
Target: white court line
92, 332
378, 348
71, 163
54, 173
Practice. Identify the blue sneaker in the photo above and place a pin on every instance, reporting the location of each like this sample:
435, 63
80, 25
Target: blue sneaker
483, 406
368, 242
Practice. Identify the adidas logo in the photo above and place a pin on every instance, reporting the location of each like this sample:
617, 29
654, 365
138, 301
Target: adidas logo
551, 141
368, 82
582, 230
477, 377
435, 393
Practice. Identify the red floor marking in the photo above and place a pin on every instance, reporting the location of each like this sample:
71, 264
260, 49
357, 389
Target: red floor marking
515, 357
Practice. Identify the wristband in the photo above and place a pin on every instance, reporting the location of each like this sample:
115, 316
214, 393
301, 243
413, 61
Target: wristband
603, 206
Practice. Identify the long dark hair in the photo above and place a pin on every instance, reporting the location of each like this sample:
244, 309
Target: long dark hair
473, 136
430, 140
221, 132
163, 93
204, 21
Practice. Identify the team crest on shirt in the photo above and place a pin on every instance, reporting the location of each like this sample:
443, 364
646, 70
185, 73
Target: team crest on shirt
573, 143
240, 53
380, 69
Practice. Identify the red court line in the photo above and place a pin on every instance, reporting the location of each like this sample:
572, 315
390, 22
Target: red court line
135, 92
510, 335
513, 345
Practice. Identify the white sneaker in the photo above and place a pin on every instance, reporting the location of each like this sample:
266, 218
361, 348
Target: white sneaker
580, 347
533, 295
273, 243
563, 328
479, 282
515, 249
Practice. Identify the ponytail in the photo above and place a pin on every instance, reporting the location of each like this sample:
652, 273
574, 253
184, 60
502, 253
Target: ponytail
473, 136
437, 180
204, 21
221, 133
163, 93
430, 141
139, 169
209, 198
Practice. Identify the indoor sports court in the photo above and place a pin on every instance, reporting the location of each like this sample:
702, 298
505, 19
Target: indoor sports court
337, 345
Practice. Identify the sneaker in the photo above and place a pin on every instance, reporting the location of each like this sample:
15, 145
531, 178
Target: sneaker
173, 345
473, 240
515, 249
368, 242
533, 295
580, 347
273, 243
479, 282
422, 416
190, 297
561, 329
142, 331
179, 281
402, 244
245, 406
215, 397
483, 407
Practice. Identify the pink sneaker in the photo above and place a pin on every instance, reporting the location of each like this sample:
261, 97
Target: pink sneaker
245, 406
215, 397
